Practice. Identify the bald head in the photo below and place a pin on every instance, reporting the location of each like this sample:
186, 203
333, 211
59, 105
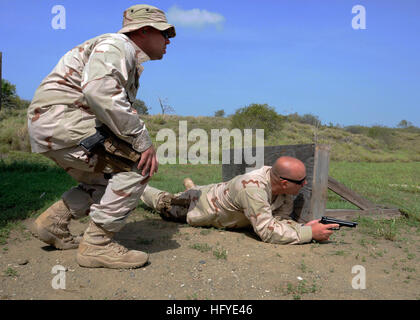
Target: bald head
287, 168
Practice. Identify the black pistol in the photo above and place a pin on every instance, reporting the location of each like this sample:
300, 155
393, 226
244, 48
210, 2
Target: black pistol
341, 223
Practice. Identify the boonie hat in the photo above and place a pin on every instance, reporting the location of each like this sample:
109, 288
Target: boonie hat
142, 15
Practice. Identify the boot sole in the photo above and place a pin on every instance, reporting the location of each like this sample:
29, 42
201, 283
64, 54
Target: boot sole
91, 262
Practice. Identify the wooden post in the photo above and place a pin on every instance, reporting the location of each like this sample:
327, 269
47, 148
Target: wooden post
0, 78
320, 181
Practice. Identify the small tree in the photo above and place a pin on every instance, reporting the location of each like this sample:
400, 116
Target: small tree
257, 116
404, 124
140, 107
9, 97
166, 108
8, 93
219, 113
310, 119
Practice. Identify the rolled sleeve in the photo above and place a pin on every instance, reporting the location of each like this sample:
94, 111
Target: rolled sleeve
305, 234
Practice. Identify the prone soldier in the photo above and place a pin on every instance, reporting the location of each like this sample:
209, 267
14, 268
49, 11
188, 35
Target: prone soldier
262, 198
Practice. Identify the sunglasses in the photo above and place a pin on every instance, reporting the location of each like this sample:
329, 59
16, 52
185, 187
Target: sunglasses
165, 34
299, 182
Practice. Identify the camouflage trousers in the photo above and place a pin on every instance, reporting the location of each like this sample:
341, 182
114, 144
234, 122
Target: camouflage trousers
107, 201
197, 213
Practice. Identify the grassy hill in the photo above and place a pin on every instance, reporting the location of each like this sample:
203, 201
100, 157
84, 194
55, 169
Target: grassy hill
391, 183
354, 144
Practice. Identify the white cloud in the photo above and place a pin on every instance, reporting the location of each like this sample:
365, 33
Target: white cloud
194, 18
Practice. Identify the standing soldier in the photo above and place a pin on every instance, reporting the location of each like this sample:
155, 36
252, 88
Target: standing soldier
91, 90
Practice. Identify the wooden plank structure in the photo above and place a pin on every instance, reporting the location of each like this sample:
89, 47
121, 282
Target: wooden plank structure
311, 201
367, 208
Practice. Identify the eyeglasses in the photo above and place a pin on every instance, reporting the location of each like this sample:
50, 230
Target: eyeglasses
299, 182
165, 34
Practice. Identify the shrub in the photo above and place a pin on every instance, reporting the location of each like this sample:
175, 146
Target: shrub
140, 107
13, 131
9, 98
310, 119
378, 132
8, 92
219, 113
307, 118
357, 129
382, 134
257, 116
404, 124
408, 126
159, 119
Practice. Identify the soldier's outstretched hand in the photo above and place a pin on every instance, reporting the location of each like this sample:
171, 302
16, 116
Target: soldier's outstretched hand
321, 232
148, 163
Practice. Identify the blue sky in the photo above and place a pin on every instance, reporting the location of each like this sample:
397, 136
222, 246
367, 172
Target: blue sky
295, 55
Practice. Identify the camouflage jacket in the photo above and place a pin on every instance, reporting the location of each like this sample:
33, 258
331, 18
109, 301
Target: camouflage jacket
247, 200
94, 83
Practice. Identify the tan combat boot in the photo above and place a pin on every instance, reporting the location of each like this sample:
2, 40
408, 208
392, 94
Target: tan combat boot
97, 250
52, 227
188, 184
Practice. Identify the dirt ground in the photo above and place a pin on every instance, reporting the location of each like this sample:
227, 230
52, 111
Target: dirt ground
199, 263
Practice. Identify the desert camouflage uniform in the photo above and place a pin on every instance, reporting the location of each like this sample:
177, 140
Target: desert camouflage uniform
245, 200
94, 83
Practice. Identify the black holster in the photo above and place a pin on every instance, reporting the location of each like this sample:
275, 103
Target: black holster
114, 154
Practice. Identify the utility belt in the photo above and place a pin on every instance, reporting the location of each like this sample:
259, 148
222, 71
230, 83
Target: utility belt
114, 154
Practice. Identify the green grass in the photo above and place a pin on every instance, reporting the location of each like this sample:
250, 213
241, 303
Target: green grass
28, 185
378, 182
220, 253
338, 253
170, 176
202, 247
10, 272
303, 287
